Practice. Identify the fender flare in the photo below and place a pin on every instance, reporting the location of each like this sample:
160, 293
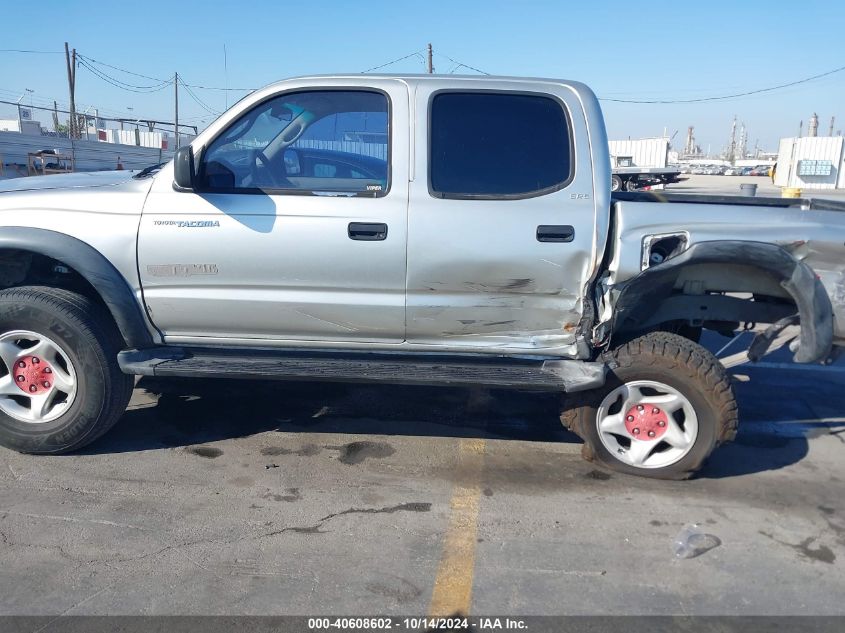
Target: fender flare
94, 268
639, 297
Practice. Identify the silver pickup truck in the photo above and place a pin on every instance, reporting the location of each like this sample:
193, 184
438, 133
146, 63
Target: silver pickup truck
421, 230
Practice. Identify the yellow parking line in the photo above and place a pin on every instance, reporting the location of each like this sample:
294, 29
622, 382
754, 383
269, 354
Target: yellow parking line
452, 592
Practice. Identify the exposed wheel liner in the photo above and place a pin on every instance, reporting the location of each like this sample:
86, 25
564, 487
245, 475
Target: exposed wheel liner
680, 364
94, 267
640, 296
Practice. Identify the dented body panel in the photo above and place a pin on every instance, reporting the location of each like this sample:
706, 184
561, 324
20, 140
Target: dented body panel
815, 237
478, 277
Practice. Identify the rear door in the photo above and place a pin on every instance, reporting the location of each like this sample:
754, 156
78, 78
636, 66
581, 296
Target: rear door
501, 238
297, 229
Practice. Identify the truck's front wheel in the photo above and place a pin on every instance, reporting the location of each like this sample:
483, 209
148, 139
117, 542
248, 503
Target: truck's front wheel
60, 386
665, 407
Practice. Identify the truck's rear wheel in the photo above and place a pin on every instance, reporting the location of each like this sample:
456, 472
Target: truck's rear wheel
632, 185
615, 183
60, 386
665, 407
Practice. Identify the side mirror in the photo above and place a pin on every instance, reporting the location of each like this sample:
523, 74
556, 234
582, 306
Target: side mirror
183, 168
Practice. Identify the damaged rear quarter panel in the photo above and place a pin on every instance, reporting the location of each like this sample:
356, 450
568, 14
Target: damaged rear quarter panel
815, 237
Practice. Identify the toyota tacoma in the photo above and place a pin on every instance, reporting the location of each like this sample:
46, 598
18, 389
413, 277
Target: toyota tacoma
416, 230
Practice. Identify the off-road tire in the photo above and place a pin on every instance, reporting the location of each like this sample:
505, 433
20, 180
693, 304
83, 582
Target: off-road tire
674, 361
91, 340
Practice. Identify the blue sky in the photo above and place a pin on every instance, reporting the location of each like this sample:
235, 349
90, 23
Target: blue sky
675, 50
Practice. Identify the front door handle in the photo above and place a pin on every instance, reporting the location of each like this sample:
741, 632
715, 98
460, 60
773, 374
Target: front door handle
555, 233
367, 231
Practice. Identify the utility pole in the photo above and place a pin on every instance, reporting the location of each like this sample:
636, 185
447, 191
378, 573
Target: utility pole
430, 61
832, 121
176, 117
70, 60
55, 116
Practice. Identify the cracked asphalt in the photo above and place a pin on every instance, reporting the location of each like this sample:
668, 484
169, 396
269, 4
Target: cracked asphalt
239, 498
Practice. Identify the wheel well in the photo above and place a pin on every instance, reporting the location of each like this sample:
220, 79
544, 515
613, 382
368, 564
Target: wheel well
718, 297
736, 280
27, 268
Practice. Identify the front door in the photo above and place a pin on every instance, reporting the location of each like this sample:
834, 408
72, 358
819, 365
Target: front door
501, 239
297, 229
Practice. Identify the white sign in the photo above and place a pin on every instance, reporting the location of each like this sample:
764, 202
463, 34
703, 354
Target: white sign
26, 114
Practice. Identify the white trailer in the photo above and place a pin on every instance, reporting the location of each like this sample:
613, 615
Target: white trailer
811, 162
638, 163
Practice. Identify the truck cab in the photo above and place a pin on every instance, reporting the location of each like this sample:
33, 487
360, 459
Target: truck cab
417, 213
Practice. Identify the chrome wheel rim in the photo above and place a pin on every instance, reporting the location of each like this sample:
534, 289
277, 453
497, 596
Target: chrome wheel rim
38, 382
647, 424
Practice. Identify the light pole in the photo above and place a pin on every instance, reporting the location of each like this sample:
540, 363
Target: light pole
18, 104
85, 116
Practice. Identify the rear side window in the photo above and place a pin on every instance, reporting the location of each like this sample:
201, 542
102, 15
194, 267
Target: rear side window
490, 145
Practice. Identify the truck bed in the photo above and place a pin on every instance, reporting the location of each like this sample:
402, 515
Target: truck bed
815, 204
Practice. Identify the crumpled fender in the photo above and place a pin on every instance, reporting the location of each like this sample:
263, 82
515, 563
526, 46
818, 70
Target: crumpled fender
639, 297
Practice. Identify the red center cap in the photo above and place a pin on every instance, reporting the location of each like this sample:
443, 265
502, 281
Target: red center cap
33, 375
646, 422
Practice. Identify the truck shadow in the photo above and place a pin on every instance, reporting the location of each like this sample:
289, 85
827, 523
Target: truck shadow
185, 412
780, 410
178, 413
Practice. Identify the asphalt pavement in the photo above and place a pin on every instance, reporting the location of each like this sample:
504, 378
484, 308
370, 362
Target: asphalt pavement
285, 498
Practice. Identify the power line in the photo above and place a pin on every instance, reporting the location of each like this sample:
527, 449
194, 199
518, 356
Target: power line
199, 101
166, 81
218, 88
395, 61
19, 50
123, 70
117, 83
462, 65
731, 96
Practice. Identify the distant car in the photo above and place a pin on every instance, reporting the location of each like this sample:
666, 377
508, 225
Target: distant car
733, 171
760, 170
746, 171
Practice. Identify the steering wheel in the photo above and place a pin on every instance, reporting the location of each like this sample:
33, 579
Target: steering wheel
260, 169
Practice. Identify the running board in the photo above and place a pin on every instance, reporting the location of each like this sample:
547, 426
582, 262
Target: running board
545, 375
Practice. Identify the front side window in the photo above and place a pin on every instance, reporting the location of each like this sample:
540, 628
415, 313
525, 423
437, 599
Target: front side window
488, 145
330, 141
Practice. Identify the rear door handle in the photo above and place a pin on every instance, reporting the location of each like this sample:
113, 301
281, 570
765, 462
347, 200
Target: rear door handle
555, 233
367, 231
